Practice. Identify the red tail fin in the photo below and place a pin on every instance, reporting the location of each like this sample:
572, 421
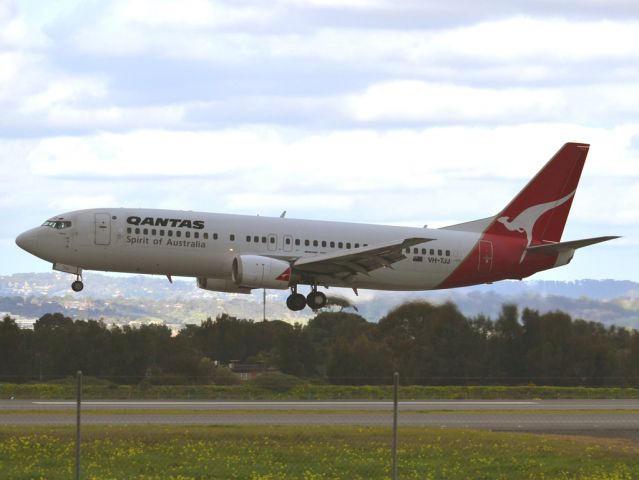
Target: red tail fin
541, 209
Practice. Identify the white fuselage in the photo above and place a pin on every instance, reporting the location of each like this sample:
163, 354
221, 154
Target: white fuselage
196, 244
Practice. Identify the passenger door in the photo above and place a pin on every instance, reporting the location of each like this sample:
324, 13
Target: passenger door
102, 228
485, 256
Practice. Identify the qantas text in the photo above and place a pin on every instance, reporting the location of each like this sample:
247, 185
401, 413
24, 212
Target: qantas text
166, 222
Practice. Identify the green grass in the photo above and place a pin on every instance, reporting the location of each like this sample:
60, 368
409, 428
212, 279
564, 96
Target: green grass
306, 452
308, 392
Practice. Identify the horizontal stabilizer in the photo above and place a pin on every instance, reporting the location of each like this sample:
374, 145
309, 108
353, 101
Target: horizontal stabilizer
476, 226
551, 248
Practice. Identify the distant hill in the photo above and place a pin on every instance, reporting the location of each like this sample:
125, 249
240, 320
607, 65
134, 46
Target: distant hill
139, 298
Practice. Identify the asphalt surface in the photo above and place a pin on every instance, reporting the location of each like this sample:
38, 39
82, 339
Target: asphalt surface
341, 405
607, 418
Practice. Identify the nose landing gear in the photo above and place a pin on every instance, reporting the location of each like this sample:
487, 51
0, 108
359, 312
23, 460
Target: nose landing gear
77, 286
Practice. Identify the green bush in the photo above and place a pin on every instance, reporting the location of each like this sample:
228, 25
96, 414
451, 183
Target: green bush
164, 379
276, 382
224, 376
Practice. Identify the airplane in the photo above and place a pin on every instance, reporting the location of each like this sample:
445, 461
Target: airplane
239, 253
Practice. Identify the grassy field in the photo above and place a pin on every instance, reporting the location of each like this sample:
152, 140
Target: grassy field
164, 452
307, 392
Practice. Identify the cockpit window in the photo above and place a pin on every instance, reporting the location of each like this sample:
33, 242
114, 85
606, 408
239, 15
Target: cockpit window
57, 224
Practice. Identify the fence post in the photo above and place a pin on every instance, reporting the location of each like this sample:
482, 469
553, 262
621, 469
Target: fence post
395, 408
77, 426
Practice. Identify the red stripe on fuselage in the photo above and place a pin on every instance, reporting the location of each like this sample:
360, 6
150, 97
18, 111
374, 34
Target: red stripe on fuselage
504, 263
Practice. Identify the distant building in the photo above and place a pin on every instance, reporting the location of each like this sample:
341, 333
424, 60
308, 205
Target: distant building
248, 371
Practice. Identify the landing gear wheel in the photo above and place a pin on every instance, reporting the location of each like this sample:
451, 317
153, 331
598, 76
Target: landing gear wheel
296, 302
77, 286
316, 300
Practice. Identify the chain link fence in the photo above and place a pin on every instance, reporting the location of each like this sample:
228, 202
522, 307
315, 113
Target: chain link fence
380, 431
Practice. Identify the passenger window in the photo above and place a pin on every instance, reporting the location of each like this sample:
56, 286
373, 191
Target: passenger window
366, 245
272, 239
432, 251
348, 244
232, 237
206, 235
145, 231
332, 244
128, 229
188, 234
307, 242
153, 232
448, 253
196, 234
248, 239
215, 236
161, 233
256, 239
315, 244
169, 233
439, 252
288, 241
297, 241
415, 250
407, 250
178, 233
357, 245
423, 251
323, 243
263, 239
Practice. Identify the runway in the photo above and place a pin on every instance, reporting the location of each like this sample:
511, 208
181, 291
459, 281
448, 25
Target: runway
609, 418
342, 405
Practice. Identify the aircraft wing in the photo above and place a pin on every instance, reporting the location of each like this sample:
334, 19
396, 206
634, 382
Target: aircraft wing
357, 260
559, 247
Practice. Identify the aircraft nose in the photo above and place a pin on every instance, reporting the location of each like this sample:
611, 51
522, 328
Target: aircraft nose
28, 241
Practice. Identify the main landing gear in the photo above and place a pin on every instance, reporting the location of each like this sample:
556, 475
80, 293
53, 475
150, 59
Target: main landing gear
77, 286
315, 299
297, 301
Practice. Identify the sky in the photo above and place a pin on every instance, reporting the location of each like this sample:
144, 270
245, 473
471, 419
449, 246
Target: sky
375, 111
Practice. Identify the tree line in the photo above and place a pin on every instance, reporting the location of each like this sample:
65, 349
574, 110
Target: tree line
428, 344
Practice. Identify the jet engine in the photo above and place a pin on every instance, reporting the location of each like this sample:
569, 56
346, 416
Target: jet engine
255, 271
219, 285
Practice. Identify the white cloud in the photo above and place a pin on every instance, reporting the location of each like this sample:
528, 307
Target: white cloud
519, 39
359, 4
527, 38
411, 100
518, 69
148, 154
74, 202
186, 13
62, 92
16, 31
341, 171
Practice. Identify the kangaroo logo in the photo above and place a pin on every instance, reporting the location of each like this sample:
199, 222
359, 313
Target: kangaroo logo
285, 276
526, 220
